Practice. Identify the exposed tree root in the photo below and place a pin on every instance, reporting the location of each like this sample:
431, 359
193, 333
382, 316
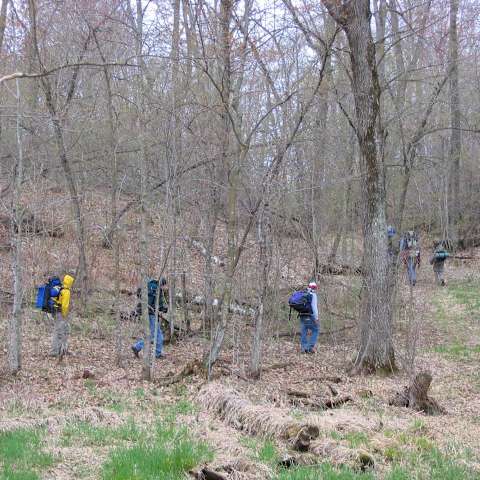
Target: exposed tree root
415, 396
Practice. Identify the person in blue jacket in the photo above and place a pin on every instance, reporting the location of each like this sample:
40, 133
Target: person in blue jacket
162, 308
309, 323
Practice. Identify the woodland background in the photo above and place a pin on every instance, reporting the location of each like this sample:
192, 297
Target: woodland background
222, 144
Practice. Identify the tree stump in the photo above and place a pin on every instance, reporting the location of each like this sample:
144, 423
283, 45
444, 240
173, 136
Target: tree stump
415, 396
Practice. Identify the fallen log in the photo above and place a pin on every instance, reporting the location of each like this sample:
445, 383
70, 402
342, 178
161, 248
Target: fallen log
261, 420
415, 396
268, 421
30, 225
199, 300
325, 332
305, 399
339, 269
203, 251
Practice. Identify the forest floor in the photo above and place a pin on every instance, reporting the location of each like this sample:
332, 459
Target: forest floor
55, 424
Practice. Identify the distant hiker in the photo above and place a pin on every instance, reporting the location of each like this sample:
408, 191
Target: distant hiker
410, 252
306, 304
153, 288
438, 261
54, 298
392, 248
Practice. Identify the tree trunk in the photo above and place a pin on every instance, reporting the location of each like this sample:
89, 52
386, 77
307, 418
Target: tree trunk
455, 136
225, 80
264, 259
174, 162
15, 323
376, 340
112, 141
3, 21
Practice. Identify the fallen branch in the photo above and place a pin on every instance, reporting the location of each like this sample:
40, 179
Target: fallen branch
276, 366
191, 368
326, 332
305, 399
415, 396
337, 269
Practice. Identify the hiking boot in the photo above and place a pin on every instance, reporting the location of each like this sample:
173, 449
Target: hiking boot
135, 352
443, 283
311, 350
162, 355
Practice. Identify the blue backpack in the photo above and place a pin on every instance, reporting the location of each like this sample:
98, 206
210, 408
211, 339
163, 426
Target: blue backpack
46, 295
441, 255
301, 302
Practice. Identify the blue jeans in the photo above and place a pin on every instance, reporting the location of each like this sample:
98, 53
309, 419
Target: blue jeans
412, 270
307, 323
140, 344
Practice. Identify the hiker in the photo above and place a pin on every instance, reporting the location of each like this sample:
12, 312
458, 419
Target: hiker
59, 304
410, 251
162, 308
392, 250
438, 261
305, 303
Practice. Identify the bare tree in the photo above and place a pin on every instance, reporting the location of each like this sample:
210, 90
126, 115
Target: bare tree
57, 117
15, 323
455, 117
376, 330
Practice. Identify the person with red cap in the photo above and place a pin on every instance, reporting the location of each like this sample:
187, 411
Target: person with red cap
309, 323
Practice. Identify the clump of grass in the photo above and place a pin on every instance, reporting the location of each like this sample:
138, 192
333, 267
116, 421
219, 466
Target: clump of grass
322, 472
21, 455
86, 434
167, 453
431, 464
263, 451
457, 350
466, 293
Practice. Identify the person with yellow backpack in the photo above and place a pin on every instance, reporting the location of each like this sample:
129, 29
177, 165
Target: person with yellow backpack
54, 298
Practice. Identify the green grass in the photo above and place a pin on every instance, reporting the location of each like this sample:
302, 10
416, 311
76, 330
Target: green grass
21, 455
167, 454
431, 464
322, 472
264, 451
86, 434
457, 351
467, 293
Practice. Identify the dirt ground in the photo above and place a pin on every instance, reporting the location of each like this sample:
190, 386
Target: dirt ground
443, 322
